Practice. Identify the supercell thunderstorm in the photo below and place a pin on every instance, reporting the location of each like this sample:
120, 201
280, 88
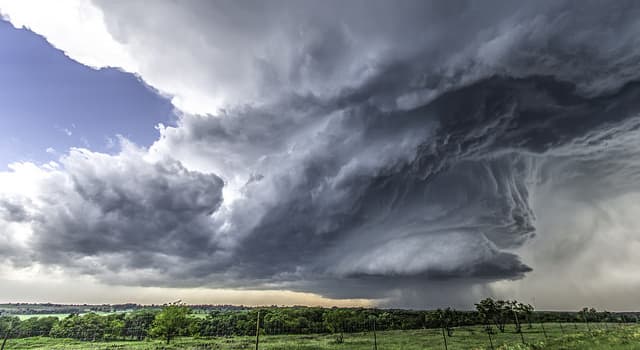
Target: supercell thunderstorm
386, 151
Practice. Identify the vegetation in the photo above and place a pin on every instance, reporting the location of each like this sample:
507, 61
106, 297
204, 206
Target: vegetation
172, 321
493, 322
501, 312
611, 338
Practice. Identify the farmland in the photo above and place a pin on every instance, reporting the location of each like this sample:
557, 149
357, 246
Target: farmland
566, 337
27, 310
495, 324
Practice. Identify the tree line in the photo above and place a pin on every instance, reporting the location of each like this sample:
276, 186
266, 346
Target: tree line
179, 320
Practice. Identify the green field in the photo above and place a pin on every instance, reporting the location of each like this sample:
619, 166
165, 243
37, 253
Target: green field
62, 315
24, 317
610, 337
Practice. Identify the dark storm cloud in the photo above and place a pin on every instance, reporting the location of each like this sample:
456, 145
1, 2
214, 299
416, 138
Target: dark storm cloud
446, 212
368, 149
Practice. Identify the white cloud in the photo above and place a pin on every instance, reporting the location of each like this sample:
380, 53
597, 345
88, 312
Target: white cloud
76, 27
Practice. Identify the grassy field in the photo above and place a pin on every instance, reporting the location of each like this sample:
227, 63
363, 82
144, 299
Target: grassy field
24, 317
601, 337
63, 315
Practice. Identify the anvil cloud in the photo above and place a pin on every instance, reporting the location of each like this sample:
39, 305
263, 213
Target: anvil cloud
362, 149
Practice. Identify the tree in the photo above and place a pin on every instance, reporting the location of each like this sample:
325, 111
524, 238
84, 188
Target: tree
6, 325
113, 327
527, 310
585, 315
138, 323
503, 314
335, 320
172, 321
447, 318
606, 316
487, 310
36, 326
500, 312
519, 310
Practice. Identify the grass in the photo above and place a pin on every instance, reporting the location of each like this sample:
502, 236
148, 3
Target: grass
23, 317
601, 337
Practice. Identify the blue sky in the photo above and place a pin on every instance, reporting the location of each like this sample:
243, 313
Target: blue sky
50, 101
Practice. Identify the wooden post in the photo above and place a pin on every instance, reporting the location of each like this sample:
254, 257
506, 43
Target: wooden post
375, 340
4, 341
584, 316
6, 336
258, 330
445, 338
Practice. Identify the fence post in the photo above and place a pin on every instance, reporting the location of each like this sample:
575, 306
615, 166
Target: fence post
445, 338
6, 335
375, 340
544, 330
258, 330
561, 328
584, 316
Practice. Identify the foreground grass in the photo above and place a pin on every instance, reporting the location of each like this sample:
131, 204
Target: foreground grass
567, 337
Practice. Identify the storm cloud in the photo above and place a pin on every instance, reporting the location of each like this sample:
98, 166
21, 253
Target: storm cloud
356, 150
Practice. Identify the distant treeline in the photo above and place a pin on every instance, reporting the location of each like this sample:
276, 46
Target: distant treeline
179, 320
50, 308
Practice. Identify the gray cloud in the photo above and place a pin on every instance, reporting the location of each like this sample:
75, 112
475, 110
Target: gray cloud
12, 211
121, 211
385, 151
451, 209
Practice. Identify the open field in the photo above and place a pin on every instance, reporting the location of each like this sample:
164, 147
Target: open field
23, 317
567, 337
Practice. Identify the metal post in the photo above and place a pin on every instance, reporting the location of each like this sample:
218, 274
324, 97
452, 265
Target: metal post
258, 330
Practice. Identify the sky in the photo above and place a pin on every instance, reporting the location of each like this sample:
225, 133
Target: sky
416, 154
50, 102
